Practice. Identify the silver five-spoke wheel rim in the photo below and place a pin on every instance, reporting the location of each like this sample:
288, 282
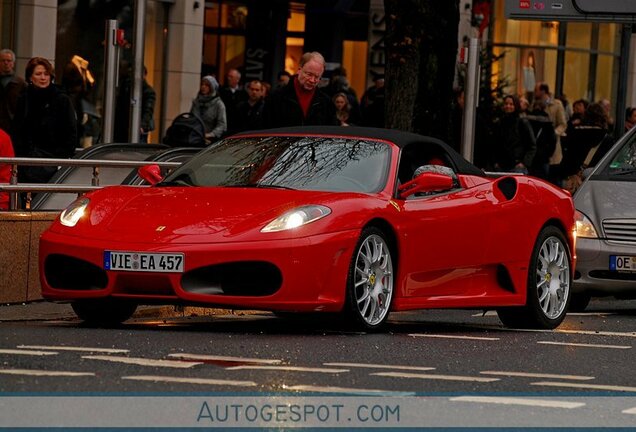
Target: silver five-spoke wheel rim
553, 277
373, 280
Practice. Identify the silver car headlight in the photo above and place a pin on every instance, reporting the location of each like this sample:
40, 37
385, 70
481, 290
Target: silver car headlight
73, 213
584, 226
297, 217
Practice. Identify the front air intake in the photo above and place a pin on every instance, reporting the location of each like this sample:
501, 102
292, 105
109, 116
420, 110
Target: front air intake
243, 278
70, 273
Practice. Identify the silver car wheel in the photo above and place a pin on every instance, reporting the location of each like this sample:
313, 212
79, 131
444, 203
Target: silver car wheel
553, 277
373, 280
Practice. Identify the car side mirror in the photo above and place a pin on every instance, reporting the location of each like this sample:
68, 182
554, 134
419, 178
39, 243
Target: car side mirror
426, 182
150, 173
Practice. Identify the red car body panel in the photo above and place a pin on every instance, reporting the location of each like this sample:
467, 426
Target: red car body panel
449, 247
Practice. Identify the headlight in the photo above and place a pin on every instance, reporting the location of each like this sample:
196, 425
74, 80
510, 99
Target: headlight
297, 217
72, 214
584, 227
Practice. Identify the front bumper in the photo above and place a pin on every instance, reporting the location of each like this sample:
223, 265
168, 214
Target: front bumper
314, 272
593, 273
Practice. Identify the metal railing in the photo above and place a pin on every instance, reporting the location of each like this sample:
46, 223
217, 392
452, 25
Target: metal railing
14, 188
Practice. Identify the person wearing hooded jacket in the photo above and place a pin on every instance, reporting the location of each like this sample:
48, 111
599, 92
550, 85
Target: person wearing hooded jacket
209, 107
45, 124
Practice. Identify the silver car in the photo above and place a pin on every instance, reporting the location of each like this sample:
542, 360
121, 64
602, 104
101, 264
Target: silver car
606, 227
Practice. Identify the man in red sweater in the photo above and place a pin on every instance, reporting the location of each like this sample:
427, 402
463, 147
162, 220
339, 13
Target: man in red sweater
6, 150
301, 102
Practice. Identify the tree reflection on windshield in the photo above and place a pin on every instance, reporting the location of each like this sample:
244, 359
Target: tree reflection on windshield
308, 163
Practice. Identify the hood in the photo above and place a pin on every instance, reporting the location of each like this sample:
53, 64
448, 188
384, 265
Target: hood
189, 214
602, 199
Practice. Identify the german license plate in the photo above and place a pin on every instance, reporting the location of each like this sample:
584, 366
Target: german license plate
144, 262
623, 263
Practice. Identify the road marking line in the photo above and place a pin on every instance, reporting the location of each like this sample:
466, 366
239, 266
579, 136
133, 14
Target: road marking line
35, 372
71, 348
585, 345
27, 352
289, 368
585, 386
519, 401
224, 358
537, 375
207, 381
601, 314
453, 337
581, 332
144, 361
435, 377
380, 366
319, 389
629, 411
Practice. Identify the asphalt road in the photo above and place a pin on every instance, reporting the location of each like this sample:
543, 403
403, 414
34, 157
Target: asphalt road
448, 355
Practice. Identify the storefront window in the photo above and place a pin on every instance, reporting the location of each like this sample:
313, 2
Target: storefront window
224, 37
532, 55
295, 41
7, 16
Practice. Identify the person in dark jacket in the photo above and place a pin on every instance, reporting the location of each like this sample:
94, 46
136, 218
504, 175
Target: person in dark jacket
250, 112
122, 111
45, 125
584, 145
301, 102
515, 142
10, 88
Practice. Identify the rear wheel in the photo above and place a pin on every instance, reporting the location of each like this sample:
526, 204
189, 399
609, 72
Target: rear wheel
370, 281
103, 312
548, 287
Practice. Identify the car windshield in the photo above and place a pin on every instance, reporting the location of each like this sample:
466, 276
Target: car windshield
307, 163
623, 164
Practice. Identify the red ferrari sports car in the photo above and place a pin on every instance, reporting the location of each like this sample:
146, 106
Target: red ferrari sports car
318, 219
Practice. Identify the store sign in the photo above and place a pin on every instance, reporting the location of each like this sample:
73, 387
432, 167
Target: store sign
616, 11
377, 35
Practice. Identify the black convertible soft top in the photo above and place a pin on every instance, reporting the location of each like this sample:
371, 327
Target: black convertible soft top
399, 138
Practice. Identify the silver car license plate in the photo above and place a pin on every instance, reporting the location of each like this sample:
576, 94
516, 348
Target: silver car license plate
623, 263
144, 262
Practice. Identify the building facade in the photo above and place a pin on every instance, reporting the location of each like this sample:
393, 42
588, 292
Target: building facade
185, 39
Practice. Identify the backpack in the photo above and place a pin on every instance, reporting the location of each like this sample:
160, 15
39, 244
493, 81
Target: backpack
186, 130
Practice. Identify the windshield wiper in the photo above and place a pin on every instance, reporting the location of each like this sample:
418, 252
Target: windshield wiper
625, 171
260, 185
178, 182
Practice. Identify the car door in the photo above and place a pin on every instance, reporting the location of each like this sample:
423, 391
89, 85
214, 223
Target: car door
443, 239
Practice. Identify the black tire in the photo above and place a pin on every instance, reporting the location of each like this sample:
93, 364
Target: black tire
555, 292
375, 278
579, 302
103, 312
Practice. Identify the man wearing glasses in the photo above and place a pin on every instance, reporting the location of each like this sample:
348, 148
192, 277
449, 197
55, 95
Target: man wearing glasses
301, 102
10, 88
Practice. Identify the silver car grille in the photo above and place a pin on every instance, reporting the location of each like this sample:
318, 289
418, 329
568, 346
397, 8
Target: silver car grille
623, 230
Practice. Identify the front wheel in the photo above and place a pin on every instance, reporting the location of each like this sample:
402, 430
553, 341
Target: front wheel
103, 312
548, 287
370, 281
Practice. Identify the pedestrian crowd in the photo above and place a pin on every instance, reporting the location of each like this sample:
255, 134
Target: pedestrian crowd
545, 137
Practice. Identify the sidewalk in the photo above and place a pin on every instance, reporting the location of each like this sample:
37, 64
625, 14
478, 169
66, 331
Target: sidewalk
43, 310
